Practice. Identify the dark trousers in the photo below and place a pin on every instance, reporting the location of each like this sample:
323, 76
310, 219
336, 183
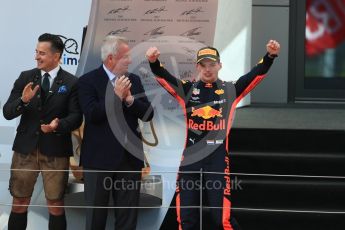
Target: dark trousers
125, 190
213, 186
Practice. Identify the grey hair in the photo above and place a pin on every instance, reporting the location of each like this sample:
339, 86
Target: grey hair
110, 45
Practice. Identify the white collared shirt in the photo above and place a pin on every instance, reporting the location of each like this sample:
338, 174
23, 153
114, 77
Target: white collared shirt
111, 76
52, 75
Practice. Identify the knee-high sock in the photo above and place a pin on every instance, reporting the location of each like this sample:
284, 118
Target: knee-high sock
17, 221
57, 222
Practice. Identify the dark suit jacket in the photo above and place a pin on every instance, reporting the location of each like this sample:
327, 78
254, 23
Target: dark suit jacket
111, 128
61, 102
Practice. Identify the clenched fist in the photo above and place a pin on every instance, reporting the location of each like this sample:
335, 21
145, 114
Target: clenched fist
273, 47
152, 54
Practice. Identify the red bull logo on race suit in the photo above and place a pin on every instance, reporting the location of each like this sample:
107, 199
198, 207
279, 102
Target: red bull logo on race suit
206, 113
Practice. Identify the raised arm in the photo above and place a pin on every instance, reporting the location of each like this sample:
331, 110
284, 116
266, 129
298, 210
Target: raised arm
248, 81
19, 98
173, 85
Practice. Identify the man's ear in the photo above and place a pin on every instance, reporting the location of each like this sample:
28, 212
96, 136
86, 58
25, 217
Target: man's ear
112, 57
220, 65
57, 56
197, 66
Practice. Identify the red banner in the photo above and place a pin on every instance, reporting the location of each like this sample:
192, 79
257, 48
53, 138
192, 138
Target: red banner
325, 25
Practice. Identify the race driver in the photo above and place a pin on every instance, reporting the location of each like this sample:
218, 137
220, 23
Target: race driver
209, 104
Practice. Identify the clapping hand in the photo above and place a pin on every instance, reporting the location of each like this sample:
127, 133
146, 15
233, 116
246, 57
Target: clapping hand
50, 127
122, 87
28, 93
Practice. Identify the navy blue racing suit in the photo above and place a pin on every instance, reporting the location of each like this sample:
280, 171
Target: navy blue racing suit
209, 111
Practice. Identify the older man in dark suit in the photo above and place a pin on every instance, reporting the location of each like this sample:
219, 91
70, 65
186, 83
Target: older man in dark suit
112, 101
46, 98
